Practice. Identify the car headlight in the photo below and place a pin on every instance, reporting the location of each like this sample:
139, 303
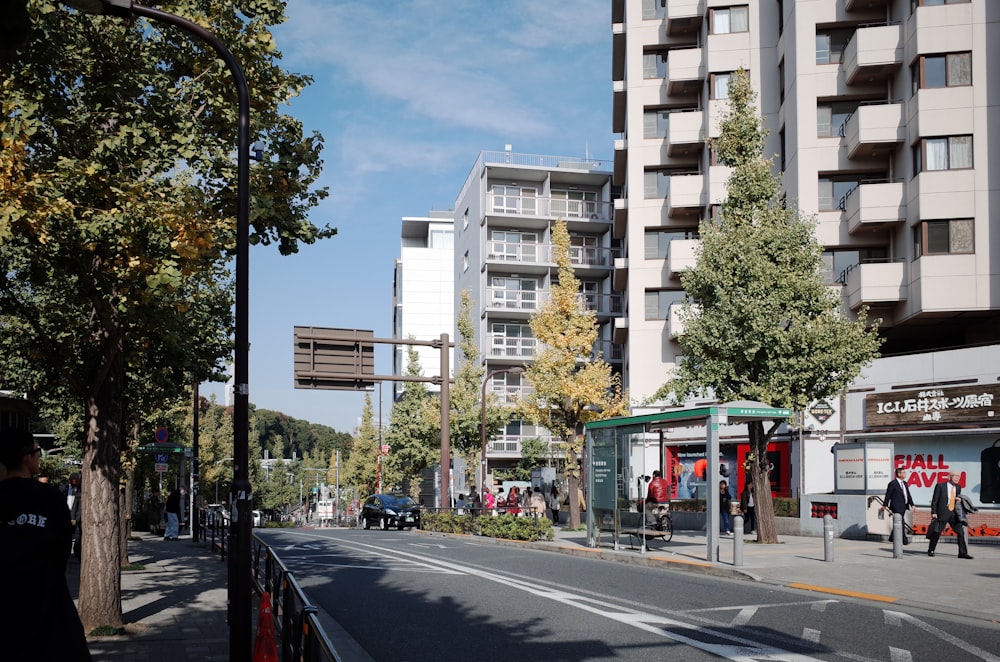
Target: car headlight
390, 511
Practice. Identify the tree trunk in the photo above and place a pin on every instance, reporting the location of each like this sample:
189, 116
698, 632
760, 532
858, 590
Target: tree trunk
100, 578
126, 514
759, 473
574, 501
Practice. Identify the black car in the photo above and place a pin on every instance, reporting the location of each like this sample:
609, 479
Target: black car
389, 510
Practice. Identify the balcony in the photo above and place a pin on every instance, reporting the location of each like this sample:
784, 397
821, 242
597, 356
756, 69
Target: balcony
551, 208
621, 218
685, 72
619, 277
864, 5
684, 17
687, 194
618, 106
873, 54
519, 304
586, 258
675, 327
610, 352
873, 129
621, 159
874, 205
618, 51
509, 446
509, 394
620, 333
874, 283
511, 347
603, 305
681, 255
685, 132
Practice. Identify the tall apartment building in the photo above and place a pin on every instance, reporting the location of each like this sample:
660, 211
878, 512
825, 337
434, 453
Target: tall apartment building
884, 116
503, 258
423, 292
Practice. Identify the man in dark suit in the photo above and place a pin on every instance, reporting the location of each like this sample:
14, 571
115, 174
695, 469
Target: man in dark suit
946, 508
898, 499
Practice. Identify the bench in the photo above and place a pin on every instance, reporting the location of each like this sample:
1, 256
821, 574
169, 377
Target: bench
626, 523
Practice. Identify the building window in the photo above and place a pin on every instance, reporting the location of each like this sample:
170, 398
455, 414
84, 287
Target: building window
652, 9
654, 65
465, 262
656, 184
657, 242
949, 237
781, 148
655, 123
830, 45
947, 70
934, 3
725, 20
836, 263
657, 302
781, 82
465, 220
830, 117
514, 200
950, 153
719, 85
833, 190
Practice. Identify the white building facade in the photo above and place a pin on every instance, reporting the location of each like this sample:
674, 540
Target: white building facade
423, 292
884, 119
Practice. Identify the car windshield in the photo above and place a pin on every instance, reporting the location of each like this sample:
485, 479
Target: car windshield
399, 501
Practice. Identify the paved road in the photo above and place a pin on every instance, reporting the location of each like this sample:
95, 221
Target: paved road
408, 596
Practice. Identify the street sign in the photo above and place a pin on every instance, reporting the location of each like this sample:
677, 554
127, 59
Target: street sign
161, 458
161, 467
160, 448
161, 435
386, 448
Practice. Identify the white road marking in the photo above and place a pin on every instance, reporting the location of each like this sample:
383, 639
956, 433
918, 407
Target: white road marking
892, 618
744, 616
811, 635
951, 639
900, 655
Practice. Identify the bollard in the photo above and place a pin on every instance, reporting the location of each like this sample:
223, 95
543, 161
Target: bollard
897, 536
827, 538
738, 540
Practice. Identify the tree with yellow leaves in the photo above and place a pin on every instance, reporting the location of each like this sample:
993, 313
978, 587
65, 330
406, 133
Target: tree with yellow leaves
572, 385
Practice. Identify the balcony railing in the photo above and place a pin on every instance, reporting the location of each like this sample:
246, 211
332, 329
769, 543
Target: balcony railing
510, 445
551, 208
512, 347
532, 300
525, 253
508, 395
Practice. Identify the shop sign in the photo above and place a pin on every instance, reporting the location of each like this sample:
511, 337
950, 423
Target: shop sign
822, 411
962, 404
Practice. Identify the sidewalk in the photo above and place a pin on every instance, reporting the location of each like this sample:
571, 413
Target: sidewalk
176, 608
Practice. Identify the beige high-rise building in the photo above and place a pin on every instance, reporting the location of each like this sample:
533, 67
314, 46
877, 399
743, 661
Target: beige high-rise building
884, 119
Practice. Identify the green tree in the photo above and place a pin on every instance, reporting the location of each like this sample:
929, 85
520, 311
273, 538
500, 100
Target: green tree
116, 221
571, 385
413, 434
765, 326
359, 470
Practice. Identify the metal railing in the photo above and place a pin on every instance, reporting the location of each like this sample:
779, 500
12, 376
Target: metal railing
842, 278
297, 630
214, 529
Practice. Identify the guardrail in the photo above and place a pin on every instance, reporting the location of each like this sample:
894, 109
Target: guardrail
214, 529
297, 630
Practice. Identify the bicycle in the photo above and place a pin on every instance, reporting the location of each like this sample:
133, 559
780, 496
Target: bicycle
661, 520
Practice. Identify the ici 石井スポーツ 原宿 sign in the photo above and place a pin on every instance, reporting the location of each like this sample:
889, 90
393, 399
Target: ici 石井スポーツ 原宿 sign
932, 406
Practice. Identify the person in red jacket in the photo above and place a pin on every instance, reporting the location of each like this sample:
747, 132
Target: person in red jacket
659, 489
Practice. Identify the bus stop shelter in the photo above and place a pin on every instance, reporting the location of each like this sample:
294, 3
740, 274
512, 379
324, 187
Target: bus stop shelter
608, 444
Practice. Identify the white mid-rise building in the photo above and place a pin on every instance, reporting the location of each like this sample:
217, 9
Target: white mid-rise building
423, 292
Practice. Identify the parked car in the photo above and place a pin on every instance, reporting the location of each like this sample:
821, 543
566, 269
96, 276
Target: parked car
389, 510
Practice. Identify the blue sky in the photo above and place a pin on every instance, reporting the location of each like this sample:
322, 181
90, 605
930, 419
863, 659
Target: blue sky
406, 95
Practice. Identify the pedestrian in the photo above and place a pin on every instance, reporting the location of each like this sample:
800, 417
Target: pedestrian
460, 504
475, 503
173, 509
748, 507
501, 501
71, 491
489, 501
554, 499
525, 498
537, 503
725, 502
514, 501
37, 616
946, 510
898, 500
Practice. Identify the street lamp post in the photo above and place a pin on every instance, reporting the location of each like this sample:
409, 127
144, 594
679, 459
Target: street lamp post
513, 370
241, 611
